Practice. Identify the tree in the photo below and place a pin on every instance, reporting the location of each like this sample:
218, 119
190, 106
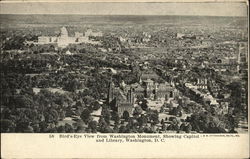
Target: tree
125, 115
154, 117
5, 114
115, 117
138, 110
235, 102
88, 100
79, 104
24, 101
162, 109
188, 128
196, 123
176, 111
162, 121
68, 128
166, 119
73, 85
80, 129
182, 127
61, 114
122, 129
61, 129
103, 126
96, 105
232, 122
85, 116
179, 111
144, 104
106, 115
21, 126
148, 129
142, 120
55, 115
93, 126
36, 128
163, 127
7, 126
29, 129
116, 128
16, 42
176, 127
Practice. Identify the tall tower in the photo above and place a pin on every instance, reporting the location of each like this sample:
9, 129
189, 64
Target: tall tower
130, 96
64, 32
63, 40
111, 92
156, 91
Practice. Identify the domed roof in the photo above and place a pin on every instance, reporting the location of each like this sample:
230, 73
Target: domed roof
149, 81
64, 31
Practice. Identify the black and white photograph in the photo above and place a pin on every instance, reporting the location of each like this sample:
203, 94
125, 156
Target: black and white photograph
116, 67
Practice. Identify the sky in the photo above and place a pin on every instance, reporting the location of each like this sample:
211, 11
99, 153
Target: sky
121, 8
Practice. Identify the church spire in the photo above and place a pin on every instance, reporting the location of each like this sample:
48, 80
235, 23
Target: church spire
111, 91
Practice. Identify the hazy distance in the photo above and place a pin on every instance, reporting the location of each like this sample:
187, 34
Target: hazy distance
200, 9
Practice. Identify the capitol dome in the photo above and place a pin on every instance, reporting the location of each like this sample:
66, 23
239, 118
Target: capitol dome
64, 32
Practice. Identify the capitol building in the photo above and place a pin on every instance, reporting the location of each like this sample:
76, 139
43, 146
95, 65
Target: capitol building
63, 40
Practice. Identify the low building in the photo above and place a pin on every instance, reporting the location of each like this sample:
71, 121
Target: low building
63, 40
122, 99
89, 32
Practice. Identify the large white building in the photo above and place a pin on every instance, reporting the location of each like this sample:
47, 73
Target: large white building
64, 39
89, 32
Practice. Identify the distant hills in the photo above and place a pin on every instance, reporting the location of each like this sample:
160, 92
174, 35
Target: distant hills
121, 19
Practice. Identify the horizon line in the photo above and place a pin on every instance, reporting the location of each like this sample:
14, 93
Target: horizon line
123, 14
